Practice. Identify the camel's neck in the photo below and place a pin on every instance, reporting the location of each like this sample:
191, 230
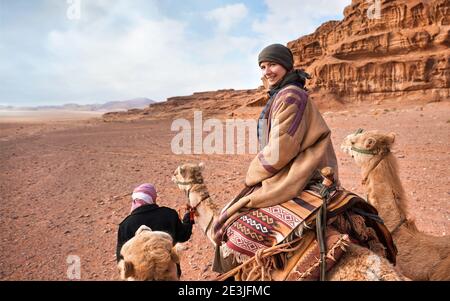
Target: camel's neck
385, 191
206, 209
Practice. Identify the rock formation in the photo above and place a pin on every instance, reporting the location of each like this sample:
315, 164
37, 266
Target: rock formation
227, 103
381, 49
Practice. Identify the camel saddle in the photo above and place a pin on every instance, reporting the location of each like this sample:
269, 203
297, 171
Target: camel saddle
261, 228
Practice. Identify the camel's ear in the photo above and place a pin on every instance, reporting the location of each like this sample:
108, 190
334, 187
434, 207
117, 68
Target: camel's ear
391, 137
370, 143
201, 165
182, 170
126, 269
143, 228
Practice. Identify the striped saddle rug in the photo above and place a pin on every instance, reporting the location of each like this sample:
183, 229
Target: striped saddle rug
262, 228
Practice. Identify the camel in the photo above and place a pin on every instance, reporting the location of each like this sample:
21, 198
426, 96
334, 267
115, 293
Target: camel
420, 256
357, 263
149, 255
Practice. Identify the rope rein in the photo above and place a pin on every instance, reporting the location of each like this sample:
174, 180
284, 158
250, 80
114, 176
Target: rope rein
403, 218
258, 267
373, 166
369, 152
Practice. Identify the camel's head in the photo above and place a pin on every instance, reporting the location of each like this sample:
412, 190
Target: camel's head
188, 174
362, 146
149, 255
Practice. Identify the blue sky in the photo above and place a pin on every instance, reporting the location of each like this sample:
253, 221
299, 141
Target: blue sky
122, 49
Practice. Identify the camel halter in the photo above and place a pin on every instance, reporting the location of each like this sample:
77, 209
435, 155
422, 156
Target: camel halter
187, 183
188, 191
192, 209
369, 152
373, 166
360, 150
363, 151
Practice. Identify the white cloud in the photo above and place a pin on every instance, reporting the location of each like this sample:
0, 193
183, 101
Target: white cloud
152, 58
124, 49
287, 20
228, 16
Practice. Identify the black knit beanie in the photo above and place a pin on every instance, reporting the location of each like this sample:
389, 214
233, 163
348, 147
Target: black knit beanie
279, 54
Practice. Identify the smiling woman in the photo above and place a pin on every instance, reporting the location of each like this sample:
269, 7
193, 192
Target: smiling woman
294, 141
273, 72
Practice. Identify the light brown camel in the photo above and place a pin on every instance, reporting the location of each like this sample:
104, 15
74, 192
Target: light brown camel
149, 255
356, 264
420, 256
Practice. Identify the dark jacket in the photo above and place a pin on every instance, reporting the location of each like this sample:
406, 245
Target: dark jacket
158, 219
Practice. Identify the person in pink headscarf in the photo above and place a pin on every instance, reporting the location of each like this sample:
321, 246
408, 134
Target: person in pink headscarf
145, 211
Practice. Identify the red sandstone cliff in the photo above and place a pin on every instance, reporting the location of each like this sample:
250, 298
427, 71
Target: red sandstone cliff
226, 103
402, 52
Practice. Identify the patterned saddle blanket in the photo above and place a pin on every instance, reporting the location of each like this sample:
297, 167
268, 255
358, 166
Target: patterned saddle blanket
262, 228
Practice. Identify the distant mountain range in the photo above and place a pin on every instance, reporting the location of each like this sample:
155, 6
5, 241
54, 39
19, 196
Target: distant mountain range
121, 105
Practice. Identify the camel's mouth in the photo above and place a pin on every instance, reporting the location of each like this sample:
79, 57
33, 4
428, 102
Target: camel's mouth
346, 149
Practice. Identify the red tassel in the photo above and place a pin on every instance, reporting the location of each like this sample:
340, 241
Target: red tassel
191, 212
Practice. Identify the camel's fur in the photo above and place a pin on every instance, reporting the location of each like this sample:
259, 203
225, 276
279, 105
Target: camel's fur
149, 255
421, 256
357, 264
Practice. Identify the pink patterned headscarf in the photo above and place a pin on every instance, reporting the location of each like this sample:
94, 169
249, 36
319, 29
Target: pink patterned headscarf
144, 194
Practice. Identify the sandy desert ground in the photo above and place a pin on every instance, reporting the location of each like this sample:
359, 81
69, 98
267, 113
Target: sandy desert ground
62, 183
10, 116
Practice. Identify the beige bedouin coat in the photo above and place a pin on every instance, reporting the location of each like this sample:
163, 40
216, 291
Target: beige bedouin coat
298, 143
303, 140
